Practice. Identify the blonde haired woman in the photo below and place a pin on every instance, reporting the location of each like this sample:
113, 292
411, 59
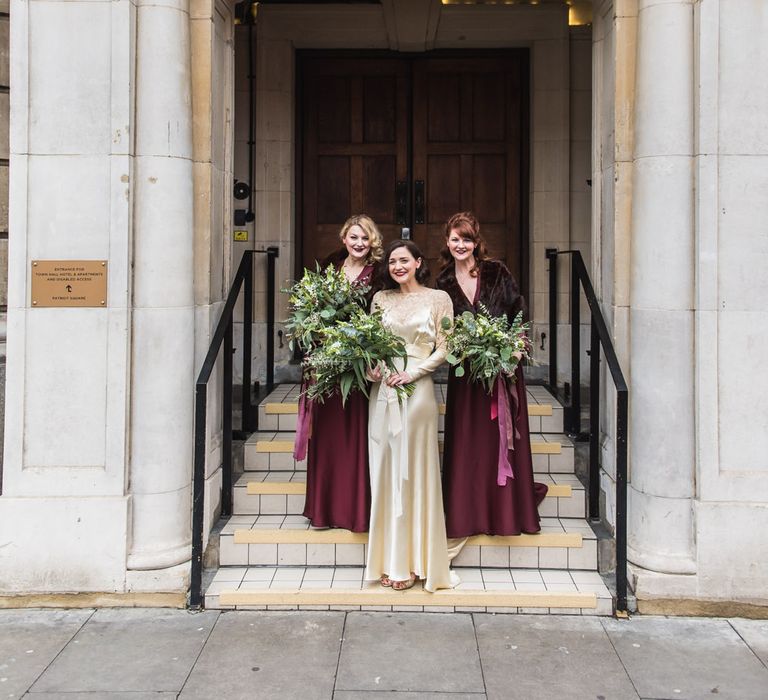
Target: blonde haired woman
362, 249
338, 484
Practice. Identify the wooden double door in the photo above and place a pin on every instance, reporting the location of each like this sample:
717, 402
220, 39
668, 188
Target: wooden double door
410, 141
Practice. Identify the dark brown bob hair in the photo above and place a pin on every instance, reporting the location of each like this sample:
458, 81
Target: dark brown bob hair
467, 226
385, 279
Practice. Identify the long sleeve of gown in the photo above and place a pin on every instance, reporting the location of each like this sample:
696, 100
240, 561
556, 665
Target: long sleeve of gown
442, 307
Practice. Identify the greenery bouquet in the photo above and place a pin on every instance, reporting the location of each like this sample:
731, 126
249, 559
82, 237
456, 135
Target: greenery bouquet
347, 350
486, 345
318, 301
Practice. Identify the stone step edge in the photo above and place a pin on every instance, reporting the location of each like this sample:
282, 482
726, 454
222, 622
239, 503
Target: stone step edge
299, 488
571, 540
290, 408
441, 598
286, 446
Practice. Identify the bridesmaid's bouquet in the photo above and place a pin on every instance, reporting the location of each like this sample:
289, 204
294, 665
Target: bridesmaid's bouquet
318, 301
346, 351
487, 345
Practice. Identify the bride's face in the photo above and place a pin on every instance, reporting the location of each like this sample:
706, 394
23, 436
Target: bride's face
402, 265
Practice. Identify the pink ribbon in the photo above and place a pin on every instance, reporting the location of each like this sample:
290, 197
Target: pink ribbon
500, 409
303, 426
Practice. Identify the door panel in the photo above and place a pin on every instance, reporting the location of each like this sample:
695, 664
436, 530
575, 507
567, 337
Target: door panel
467, 127
467, 147
354, 147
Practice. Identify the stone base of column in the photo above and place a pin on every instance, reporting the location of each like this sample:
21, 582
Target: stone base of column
649, 584
160, 559
663, 564
677, 594
171, 580
660, 533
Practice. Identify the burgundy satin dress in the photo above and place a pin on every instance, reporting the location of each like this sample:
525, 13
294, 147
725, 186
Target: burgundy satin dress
338, 482
474, 502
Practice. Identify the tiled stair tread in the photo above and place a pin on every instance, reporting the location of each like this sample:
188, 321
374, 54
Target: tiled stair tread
290, 529
261, 487
416, 599
284, 400
301, 476
282, 442
291, 408
344, 586
306, 536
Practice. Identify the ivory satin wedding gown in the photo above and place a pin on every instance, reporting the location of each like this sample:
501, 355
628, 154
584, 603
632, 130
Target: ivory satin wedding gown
407, 526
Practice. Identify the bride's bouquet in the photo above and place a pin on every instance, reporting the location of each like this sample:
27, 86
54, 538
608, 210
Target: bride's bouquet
318, 301
347, 350
488, 346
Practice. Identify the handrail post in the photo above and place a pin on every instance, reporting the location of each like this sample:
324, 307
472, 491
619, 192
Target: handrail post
552, 257
621, 500
247, 422
594, 424
273, 252
575, 412
198, 499
226, 470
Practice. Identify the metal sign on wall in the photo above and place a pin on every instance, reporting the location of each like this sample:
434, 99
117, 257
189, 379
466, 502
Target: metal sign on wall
69, 283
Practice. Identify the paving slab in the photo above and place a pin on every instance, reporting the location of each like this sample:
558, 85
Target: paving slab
555, 656
101, 696
687, 658
29, 641
282, 655
394, 695
755, 634
129, 650
409, 652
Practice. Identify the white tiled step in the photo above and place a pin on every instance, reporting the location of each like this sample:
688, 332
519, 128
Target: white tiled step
278, 410
282, 493
480, 590
276, 540
273, 451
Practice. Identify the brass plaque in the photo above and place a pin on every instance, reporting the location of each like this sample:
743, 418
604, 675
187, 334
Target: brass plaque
69, 283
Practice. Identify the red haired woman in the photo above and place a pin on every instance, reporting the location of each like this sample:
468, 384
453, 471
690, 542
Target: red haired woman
474, 502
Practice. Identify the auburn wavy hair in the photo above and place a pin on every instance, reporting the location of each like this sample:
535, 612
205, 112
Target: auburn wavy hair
467, 226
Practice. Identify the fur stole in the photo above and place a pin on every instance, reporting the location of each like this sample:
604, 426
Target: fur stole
499, 292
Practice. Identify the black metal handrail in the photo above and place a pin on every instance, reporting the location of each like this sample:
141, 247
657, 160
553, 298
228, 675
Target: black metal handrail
223, 336
599, 336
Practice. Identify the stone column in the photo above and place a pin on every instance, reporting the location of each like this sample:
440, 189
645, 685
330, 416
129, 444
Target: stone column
163, 300
662, 449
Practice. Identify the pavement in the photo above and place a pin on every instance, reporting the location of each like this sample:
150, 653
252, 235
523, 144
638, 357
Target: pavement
159, 654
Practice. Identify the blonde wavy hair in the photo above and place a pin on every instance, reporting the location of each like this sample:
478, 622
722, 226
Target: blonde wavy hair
371, 230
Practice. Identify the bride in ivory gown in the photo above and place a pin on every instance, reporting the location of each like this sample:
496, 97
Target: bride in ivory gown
406, 536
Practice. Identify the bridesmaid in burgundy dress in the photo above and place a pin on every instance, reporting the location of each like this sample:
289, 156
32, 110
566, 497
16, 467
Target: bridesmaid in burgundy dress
338, 483
474, 502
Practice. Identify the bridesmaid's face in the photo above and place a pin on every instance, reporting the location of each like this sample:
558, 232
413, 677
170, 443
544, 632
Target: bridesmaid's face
357, 243
460, 247
402, 265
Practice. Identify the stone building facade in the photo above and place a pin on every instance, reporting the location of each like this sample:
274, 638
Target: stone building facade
644, 148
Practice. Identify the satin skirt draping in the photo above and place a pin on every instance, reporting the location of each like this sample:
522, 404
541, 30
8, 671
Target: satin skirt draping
338, 491
407, 526
474, 503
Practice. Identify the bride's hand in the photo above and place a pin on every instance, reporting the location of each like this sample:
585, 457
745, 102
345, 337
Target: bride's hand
398, 379
374, 374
